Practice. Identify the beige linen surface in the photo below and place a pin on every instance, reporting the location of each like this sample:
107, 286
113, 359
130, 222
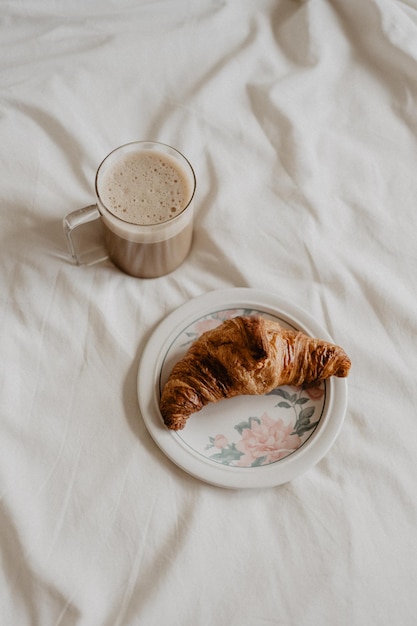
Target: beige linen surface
300, 120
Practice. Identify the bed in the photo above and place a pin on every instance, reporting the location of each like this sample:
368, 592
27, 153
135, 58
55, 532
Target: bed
299, 118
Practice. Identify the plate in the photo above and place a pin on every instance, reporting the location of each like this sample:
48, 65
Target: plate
246, 441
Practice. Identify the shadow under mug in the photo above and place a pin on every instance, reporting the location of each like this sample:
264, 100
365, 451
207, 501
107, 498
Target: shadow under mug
95, 233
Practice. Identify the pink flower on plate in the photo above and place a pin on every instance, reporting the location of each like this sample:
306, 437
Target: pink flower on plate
270, 439
205, 325
220, 441
315, 393
227, 315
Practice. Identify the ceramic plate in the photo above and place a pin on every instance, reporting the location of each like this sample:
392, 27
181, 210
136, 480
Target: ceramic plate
247, 441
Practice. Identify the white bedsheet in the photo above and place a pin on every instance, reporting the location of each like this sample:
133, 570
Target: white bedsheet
300, 119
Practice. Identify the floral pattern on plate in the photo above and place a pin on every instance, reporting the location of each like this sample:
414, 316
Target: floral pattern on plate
246, 431
265, 440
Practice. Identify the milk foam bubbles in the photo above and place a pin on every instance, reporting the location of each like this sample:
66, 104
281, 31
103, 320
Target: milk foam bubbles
145, 187
145, 193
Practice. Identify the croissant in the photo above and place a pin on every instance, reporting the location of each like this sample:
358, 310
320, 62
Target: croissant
246, 355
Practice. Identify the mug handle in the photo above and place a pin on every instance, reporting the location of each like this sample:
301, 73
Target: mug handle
84, 233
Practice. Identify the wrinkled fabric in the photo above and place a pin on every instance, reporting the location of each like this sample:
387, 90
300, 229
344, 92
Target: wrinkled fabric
300, 121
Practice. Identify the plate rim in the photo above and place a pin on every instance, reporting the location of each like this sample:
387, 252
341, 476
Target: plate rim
203, 469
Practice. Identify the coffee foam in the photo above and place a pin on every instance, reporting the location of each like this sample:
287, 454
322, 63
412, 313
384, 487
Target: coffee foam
145, 188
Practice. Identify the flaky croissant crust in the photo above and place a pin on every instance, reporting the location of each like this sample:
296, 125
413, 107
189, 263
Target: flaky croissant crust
246, 355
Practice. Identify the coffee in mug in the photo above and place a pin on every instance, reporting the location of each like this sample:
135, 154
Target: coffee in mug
144, 194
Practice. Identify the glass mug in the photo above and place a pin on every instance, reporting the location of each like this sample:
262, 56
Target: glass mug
144, 202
